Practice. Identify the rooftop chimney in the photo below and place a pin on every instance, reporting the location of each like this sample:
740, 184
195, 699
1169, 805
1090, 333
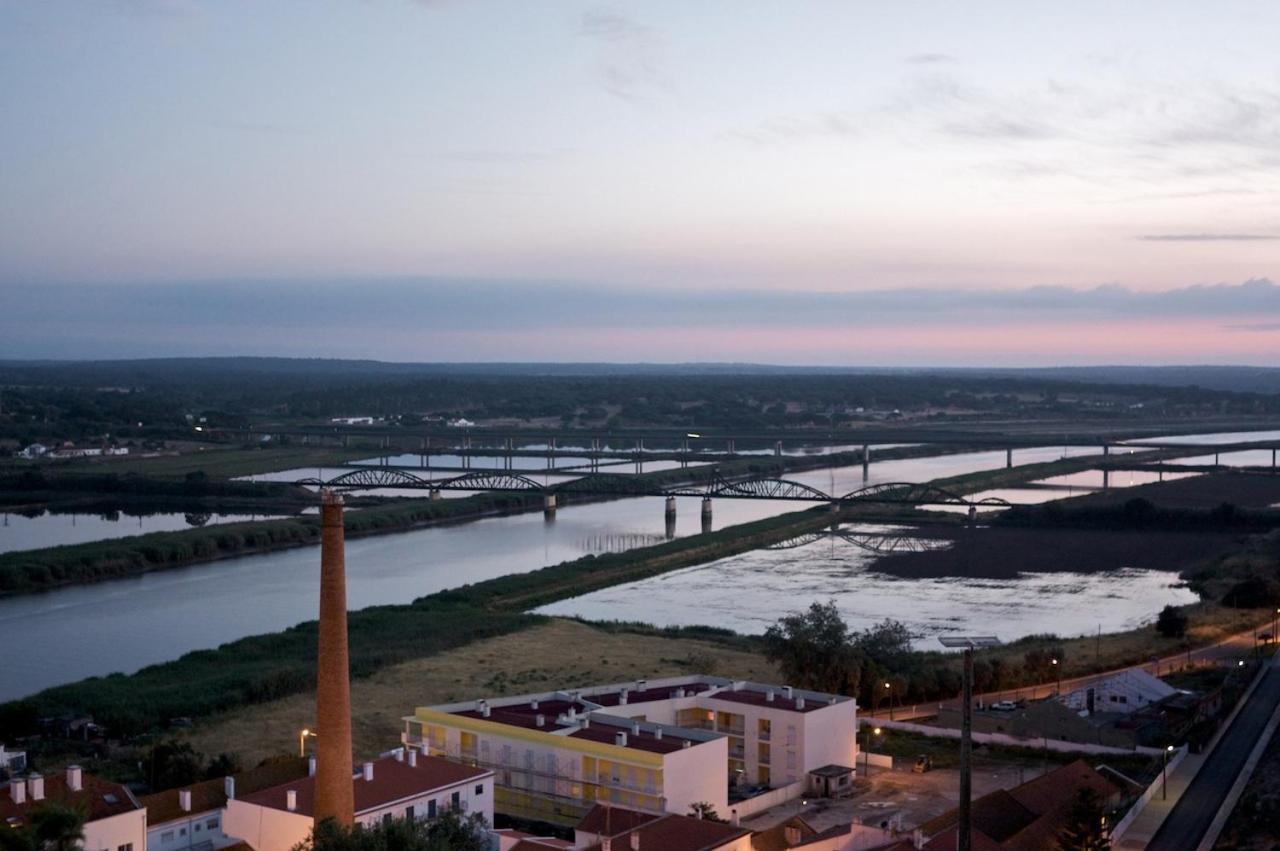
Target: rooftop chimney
484, 710
635, 728
799, 703
399, 754
620, 739
788, 691
657, 733
641, 685
311, 766
368, 771
18, 791
184, 800
334, 795
540, 720
229, 788
35, 787
622, 698
413, 758
733, 818
768, 696
686, 744
533, 704
635, 840
291, 800
75, 780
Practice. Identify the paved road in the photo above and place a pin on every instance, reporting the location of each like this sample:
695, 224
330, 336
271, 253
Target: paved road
1226, 651
1191, 816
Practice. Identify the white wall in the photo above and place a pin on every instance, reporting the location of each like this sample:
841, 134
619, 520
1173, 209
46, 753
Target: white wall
829, 736
695, 774
109, 834
265, 828
190, 830
470, 801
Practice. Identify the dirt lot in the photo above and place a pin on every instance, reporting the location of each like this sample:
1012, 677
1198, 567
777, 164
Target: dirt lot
992, 552
562, 654
903, 798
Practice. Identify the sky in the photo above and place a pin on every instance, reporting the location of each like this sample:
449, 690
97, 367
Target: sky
896, 183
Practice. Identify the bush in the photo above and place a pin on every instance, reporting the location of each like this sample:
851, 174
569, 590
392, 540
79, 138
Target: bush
1172, 622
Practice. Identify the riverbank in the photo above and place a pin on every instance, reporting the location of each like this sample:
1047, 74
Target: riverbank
31, 571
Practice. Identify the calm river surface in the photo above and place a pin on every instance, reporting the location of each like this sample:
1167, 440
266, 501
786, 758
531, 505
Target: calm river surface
125, 624
747, 593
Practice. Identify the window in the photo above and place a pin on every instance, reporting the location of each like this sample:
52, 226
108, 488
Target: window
128, 846
479, 788
386, 818
791, 759
197, 828
408, 813
167, 836
455, 800
212, 824
431, 808
791, 734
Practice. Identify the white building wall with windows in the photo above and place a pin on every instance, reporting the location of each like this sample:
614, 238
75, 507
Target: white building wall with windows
122, 832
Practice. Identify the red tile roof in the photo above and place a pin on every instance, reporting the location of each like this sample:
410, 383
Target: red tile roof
981, 842
780, 700
645, 740
664, 832
100, 798
392, 781
211, 795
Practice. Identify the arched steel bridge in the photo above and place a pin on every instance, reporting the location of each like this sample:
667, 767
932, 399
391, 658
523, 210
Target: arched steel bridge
897, 493
880, 542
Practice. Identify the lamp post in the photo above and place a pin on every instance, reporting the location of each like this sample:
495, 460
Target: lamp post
1057, 670
1164, 774
888, 687
302, 740
866, 760
964, 830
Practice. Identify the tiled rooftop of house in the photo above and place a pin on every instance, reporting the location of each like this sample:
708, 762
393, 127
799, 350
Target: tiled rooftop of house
666, 831
99, 798
393, 780
211, 794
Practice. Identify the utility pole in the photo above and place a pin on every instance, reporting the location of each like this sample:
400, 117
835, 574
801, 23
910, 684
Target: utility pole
964, 830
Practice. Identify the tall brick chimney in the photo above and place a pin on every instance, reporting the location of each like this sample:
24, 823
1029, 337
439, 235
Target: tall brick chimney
334, 792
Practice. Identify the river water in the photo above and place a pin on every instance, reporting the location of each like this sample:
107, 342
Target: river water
125, 624
50, 530
748, 592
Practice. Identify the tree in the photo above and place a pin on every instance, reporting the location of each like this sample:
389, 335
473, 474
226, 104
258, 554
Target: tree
1172, 622
51, 827
814, 650
1038, 663
450, 832
222, 765
173, 763
705, 810
1085, 827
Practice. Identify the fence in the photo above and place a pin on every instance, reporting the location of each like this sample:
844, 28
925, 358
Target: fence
1014, 741
1117, 832
760, 803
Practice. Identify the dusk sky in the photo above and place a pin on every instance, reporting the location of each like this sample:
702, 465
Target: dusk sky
811, 183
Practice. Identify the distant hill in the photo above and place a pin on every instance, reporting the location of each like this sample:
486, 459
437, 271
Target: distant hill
1240, 379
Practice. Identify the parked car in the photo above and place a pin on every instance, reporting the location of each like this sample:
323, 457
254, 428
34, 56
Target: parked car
1004, 706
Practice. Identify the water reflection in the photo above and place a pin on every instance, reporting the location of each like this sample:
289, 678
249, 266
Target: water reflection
36, 530
747, 593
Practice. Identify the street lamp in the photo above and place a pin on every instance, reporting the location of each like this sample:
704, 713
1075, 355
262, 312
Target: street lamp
1057, 669
964, 830
302, 740
866, 760
889, 688
1164, 774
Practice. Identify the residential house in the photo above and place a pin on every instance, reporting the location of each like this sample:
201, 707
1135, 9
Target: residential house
403, 785
656, 746
114, 819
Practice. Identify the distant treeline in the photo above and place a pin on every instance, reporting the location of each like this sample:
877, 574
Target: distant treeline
34, 482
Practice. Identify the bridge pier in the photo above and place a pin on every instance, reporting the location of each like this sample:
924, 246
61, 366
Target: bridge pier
733, 451
669, 527
1215, 459
435, 495
973, 515
671, 508
1273, 459
1106, 478
1106, 450
777, 449
549, 504
706, 514
1008, 458
866, 462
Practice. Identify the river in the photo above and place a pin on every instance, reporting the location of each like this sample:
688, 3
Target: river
125, 624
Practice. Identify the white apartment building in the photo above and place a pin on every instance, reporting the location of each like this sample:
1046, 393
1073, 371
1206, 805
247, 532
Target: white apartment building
115, 821
659, 745
403, 785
